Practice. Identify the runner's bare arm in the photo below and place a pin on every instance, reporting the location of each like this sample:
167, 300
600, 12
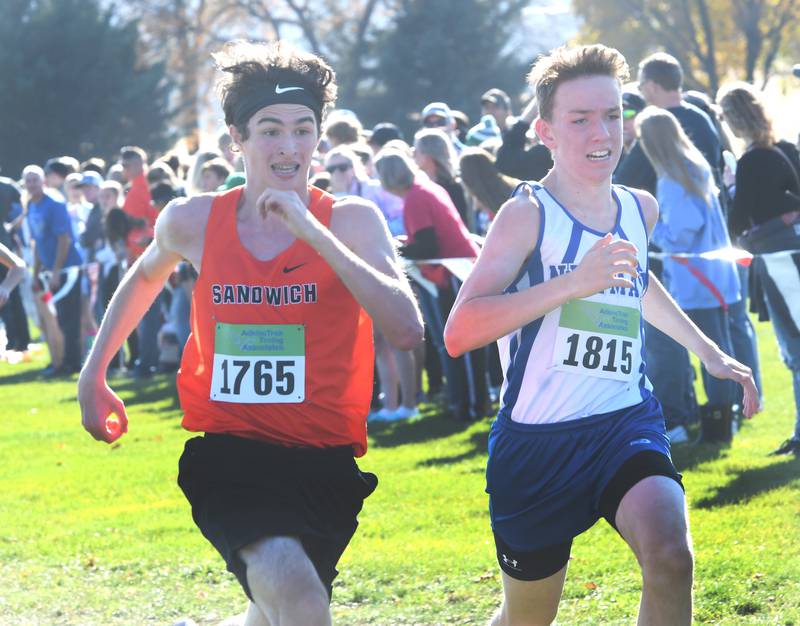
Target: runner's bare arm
133, 297
482, 312
363, 256
663, 312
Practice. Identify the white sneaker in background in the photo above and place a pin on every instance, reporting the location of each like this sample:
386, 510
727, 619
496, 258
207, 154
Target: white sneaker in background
384, 415
678, 435
387, 415
404, 413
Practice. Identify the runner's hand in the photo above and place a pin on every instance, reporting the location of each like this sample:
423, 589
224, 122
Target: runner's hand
291, 210
720, 365
605, 265
98, 402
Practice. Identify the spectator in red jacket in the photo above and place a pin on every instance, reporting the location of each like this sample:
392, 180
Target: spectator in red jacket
137, 201
435, 231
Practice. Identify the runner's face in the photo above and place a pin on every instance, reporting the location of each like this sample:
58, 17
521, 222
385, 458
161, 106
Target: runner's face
585, 132
279, 146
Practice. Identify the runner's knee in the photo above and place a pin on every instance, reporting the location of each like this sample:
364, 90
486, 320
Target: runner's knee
668, 560
280, 569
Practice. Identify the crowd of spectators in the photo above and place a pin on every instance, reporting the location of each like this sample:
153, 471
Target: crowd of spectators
79, 226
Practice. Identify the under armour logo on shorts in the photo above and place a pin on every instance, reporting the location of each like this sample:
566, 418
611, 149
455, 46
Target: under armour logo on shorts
512, 563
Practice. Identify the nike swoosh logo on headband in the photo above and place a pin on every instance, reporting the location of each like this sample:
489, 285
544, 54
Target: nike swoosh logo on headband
279, 89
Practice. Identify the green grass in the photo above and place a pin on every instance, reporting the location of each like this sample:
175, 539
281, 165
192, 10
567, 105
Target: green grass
92, 534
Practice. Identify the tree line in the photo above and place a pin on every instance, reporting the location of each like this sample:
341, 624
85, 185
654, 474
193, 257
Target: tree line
84, 77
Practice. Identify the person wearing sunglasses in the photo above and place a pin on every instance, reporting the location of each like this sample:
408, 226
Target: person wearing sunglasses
632, 105
349, 178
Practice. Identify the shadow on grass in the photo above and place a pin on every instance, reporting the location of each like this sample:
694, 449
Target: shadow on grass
393, 434
31, 376
751, 482
478, 445
149, 390
141, 391
688, 457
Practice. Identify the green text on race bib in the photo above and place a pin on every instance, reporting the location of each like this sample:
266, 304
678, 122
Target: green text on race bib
259, 363
599, 317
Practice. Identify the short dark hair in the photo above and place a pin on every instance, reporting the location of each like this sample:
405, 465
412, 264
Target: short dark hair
94, 164
663, 69
246, 66
383, 132
160, 171
57, 167
128, 153
219, 166
567, 63
498, 97
163, 192
63, 166
344, 130
174, 161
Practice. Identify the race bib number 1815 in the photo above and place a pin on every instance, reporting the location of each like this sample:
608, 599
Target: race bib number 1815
259, 363
597, 339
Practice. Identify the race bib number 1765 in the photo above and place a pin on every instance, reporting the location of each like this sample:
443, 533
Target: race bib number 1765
259, 363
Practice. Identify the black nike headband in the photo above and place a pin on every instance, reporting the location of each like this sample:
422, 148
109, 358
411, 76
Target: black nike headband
275, 94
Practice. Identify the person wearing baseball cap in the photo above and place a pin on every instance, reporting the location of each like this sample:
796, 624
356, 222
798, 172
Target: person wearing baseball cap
90, 178
496, 103
439, 115
632, 105
436, 115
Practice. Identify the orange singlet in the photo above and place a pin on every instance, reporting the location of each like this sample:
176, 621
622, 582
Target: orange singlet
280, 350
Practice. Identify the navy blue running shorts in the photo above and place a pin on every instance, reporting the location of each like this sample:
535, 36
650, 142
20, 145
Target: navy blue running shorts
548, 483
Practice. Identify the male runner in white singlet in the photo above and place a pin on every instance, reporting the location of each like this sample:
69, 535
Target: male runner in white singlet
562, 285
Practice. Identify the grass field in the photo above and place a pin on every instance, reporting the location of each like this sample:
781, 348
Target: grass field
92, 534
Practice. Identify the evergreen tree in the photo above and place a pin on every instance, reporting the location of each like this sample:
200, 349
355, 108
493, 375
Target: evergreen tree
448, 50
70, 84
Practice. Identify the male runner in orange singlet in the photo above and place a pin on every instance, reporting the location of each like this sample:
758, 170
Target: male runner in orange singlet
278, 369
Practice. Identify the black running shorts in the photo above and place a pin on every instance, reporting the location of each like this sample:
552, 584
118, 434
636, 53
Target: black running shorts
243, 490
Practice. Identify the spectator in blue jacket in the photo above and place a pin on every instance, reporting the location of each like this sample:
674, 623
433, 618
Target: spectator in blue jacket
691, 221
57, 259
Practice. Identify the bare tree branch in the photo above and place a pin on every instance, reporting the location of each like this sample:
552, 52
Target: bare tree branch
306, 23
710, 57
664, 30
786, 13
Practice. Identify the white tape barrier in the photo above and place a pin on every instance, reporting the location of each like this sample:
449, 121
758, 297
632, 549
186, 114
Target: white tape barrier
736, 255
461, 267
